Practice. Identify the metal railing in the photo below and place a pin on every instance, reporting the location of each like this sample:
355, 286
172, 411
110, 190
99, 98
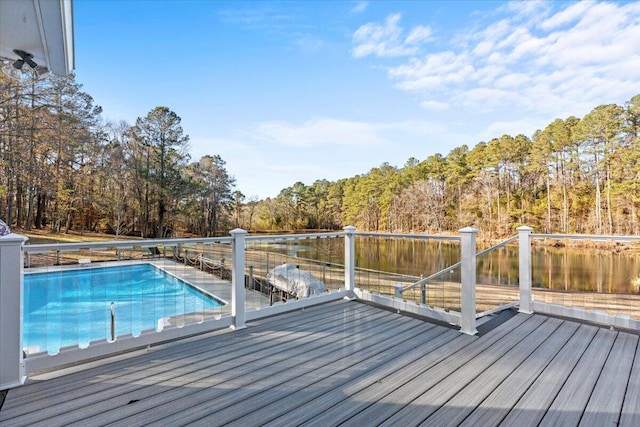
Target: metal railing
236, 270
76, 295
600, 302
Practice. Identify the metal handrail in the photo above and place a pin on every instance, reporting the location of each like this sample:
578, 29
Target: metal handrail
409, 236
121, 244
498, 246
431, 277
592, 237
284, 237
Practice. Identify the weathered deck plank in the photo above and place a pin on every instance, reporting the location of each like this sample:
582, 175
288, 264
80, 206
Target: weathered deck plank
532, 332
507, 379
569, 404
407, 384
328, 392
352, 364
172, 382
540, 387
244, 371
307, 359
312, 369
116, 382
630, 415
605, 404
37, 389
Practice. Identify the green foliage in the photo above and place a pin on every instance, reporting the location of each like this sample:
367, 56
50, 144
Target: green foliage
66, 169
575, 175
62, 167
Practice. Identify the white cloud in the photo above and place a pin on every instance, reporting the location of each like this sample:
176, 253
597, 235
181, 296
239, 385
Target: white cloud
414, 127
268, 156
566, 16
319, 132
386, 40
433, 72
513, 80
380, 40
419, 34
435, 105
532, 56
360, 7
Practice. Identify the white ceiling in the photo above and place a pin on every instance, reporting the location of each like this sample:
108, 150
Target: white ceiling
43, 28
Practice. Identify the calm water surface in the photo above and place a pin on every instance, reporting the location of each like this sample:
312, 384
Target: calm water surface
553, 268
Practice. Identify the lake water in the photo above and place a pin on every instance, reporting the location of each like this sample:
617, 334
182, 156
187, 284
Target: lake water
553, 268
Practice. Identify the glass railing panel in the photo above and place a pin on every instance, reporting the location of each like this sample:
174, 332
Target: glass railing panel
598, 274
399, 265
497, 277
384, 283
76, 294
280, 268
443, 290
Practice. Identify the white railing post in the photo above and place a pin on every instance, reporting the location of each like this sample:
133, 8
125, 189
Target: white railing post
397, 291
237, 278
524, 255
468, 275
349, 257
11, 297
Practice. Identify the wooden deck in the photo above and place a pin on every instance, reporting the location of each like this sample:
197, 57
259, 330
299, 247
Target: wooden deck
353, 364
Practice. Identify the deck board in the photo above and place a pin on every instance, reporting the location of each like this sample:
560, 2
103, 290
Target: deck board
129, 374
311, 369
433, 398
330, 391
527, 394
508, 378
569, 404
605, 404
121, 381
189, 346
350, 363
306, 359
241, 376
183, 377
406, 384
630, 415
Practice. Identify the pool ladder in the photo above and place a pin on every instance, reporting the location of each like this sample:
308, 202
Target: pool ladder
113, 321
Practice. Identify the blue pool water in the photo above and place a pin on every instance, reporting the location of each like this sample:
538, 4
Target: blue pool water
73, 307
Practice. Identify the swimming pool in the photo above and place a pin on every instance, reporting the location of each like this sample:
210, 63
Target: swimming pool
73, 307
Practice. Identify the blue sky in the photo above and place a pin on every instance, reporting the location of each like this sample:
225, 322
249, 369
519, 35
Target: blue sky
300, 90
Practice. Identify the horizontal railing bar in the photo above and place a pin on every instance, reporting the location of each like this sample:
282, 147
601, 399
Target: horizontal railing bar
409, 236
281, 237
592, 237
388, 273
575, 292
121, 244
147, 243
308, 260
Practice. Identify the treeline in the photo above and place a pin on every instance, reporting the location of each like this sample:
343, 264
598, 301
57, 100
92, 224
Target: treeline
64, 169
574, 176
